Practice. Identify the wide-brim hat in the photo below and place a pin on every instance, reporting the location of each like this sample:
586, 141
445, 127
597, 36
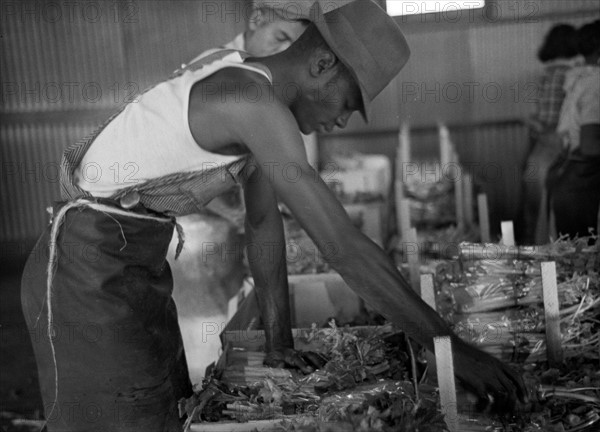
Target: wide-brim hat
366, 40
293, 10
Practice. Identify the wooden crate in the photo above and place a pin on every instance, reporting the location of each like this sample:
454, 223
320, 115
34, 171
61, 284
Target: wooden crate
314, 298
251, 426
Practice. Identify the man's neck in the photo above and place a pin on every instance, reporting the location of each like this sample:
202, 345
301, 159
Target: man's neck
286, 83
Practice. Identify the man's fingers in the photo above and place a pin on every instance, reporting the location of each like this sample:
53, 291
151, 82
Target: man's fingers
274, 363
489, 390
314, 359
502, 402
489, 379
483, 402
513, 381
509, 390
295, 360
478, 389
517, 379
306, 361
274, 359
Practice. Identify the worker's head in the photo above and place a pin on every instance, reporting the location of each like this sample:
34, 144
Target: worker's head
344, 59
588, 42
328, 93
273, 27
560, 43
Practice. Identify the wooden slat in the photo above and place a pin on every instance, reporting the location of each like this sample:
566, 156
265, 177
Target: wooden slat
404, 211
508, 233
446, 383
468, 198
414, 266
552, 313
484, 218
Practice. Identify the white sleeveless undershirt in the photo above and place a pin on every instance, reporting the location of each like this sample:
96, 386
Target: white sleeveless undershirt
151, 138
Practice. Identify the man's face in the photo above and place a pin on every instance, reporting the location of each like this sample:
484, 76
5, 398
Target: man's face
328, 105
272, 36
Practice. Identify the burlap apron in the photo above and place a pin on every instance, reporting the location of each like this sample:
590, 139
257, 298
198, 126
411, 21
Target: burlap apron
110, 356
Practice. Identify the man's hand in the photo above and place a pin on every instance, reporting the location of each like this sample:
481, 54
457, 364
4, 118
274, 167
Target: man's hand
496, 385
307, 362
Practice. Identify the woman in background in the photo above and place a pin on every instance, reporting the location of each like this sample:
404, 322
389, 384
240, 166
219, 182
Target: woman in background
574, 178
556, 53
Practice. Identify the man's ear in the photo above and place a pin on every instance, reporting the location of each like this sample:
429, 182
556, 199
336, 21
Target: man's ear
323, 61
257, 19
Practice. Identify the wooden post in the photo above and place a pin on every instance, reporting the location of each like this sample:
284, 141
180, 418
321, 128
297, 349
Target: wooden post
468, 198
404, 143
551, 309
445, 375
399, 197
402, 157
459, 201
458, 186
508, 233
445, 146
428, 296
427, 290
484, 218
412, 249
404, 212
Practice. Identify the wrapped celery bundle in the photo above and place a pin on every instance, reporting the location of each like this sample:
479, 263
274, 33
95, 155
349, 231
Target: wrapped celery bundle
495, 298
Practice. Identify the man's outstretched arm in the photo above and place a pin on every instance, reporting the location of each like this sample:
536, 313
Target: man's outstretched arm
270, 132
364, 266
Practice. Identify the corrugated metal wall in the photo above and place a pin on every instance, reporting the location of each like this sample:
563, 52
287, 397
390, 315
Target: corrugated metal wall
65, 66
493, 153
52, 61
31, 156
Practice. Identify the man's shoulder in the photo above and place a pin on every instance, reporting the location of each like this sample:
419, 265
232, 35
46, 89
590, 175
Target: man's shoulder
240, 95
236, 74
237, 85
